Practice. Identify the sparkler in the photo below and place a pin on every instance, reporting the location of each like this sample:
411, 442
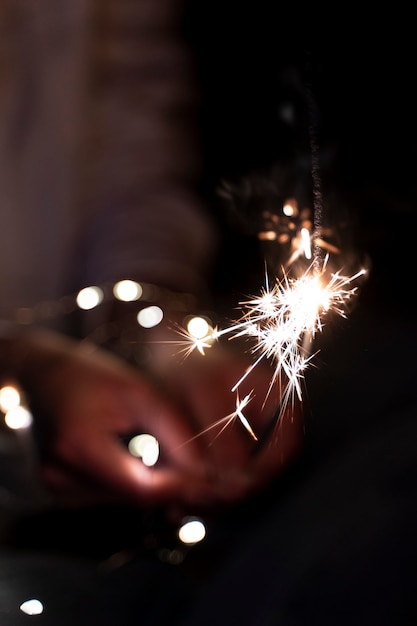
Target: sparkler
281, 323
224, 422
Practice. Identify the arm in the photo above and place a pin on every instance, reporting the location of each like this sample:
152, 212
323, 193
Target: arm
141, 160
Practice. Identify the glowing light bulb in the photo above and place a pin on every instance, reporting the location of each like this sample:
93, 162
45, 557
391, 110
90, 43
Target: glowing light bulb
32, 607
145, 447
192, 531
9, 398
127, 290
198, 327
18, 418
150, 316
89, 297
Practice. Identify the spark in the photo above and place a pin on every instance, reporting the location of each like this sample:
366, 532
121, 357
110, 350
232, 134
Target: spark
281, 323
306, 242
190, 343
284, 319
240, 405
225, 421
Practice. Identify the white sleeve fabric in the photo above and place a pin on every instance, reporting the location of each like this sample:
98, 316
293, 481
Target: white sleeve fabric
98, 165
141, 161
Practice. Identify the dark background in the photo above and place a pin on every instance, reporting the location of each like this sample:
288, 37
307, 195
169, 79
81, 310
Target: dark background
349, 79
350, 82
333, 541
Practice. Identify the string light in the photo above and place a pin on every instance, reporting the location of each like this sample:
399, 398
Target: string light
16, 414
280, 322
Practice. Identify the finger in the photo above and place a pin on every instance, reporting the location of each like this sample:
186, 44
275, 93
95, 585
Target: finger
142, 409
111, 464
203, 388
63, 488
280, 447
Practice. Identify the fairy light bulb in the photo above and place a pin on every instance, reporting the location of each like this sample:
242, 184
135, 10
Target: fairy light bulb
192, 531
89, 297
127, 290
150, 316
9, 398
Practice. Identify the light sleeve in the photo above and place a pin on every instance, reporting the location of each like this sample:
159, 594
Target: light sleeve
141, 161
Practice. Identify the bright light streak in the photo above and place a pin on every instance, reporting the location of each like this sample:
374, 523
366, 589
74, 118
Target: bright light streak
240, 405
281, 323
225, 421
190, 342
306, 242
280, 320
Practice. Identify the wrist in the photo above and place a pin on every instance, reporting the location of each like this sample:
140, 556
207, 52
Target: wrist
26, 352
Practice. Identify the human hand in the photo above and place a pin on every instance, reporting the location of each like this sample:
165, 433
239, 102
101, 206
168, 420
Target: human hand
241, 461
85, 402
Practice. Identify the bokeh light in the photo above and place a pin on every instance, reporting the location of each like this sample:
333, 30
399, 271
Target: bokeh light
89, 297
32, 607
127, 290
198, 327
18, 417
9, 398
192, 531
145, 447
150, 316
